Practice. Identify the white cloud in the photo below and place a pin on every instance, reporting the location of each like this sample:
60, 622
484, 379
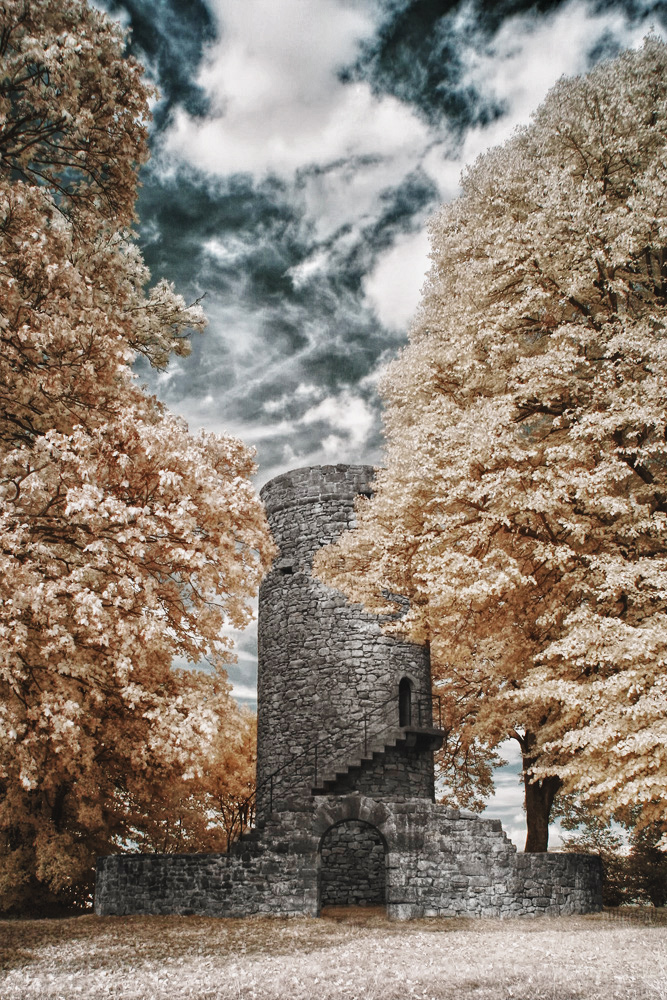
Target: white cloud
277, 102
529, 54
393, 287
350, 190
279, 106
348, 423
232, 250
507, 802
308, 268
302, 393
519, 65
345, 412
244, 692
332, 447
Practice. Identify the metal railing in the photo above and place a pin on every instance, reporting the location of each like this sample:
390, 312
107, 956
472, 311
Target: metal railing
374, 739
305, 767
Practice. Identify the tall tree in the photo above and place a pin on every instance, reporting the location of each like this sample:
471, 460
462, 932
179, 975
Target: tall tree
647, 865
125, 540
523, 507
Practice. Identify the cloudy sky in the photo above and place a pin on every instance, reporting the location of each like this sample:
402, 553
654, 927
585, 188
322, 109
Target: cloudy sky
299, 148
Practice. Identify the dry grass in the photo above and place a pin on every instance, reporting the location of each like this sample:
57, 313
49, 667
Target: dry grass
347, 954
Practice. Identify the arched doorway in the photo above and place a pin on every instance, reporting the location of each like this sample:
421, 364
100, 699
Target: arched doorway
352, 869
405, 702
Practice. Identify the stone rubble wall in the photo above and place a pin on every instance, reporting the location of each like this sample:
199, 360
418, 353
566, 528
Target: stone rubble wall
401, 772
439, 862
274, 877
352, 871
445, 862
323, 666
323, 663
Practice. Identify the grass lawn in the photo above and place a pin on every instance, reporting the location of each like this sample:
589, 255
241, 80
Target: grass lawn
348, 953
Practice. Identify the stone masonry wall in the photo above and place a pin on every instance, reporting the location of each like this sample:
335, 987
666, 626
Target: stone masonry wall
324, 668
277, 877
401, 772
439, 862
352, 871
446, 862
323, 663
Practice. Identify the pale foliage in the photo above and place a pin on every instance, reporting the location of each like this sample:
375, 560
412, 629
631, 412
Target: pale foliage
212, 803
126, 540
524, 504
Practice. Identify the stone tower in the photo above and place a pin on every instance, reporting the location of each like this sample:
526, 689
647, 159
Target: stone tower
345, 804
332, 688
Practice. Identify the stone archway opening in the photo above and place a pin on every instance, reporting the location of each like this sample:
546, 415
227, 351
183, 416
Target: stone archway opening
352, 865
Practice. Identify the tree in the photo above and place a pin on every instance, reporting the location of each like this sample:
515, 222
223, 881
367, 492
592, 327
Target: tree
647, 865
591, 834
464, 764
209, 805
126, 540
637, 875
523, 507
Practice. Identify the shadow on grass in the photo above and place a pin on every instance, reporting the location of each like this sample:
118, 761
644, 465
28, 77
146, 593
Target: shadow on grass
90, 942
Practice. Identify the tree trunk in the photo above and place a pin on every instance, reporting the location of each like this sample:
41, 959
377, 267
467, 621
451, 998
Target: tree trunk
58, 808
539, 799
538, 796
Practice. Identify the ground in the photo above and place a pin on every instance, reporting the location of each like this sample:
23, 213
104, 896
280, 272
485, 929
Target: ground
346, 954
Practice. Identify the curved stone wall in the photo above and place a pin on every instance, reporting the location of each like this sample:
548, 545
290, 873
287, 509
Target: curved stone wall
324, 664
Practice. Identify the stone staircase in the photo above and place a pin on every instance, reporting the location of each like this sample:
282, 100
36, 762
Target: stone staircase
404, 736
248, 841
358, 758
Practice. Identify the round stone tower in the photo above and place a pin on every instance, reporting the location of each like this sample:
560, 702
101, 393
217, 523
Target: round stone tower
340, 706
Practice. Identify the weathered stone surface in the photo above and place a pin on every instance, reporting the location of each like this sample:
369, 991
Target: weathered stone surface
432, 867
352, 865
326, 672
372, 833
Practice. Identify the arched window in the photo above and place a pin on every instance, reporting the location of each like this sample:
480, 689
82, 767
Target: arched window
405, 702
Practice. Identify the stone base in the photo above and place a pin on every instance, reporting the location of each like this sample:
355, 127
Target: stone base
438, 862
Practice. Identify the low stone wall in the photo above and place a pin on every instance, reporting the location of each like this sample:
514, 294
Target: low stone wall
551, 885
274, 876
215, 885
439, 862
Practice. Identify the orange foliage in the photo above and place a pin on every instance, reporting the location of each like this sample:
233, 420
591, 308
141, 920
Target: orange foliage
126, 540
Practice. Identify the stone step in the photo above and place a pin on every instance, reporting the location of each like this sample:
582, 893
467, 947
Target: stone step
376, 750
249, 838
410, 736
330, 777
